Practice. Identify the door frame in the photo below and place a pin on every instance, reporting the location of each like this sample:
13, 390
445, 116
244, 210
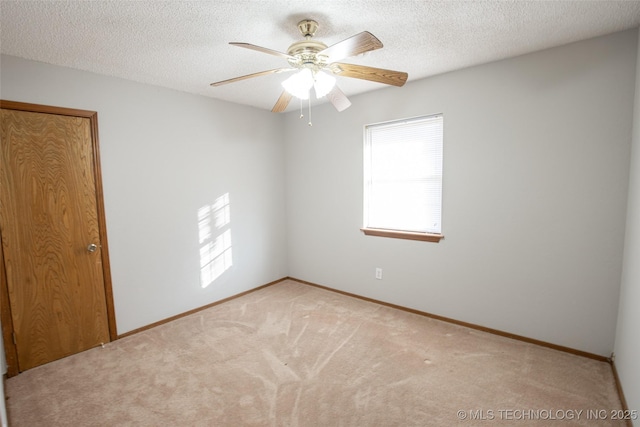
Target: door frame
10, 348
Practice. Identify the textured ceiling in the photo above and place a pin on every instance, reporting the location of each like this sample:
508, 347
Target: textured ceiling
184, 44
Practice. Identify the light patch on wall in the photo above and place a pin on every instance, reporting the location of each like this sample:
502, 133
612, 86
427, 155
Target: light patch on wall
214, 232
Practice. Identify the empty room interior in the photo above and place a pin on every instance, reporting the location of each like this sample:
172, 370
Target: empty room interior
258, 227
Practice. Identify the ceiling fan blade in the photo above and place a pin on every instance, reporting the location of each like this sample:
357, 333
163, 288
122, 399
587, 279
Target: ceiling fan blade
338, 99
249, 76
282, 102
355, 45
380, 75
263, 49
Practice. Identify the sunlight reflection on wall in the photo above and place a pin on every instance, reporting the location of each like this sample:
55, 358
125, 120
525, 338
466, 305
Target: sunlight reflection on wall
215, 240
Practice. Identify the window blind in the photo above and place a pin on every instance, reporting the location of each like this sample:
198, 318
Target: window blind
403, 175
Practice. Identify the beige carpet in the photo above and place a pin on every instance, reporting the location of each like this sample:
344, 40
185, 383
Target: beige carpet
295, 355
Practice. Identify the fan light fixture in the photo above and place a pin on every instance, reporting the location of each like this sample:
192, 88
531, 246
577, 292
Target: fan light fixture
300, 83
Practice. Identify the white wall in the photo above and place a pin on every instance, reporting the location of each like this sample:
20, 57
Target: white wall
165, 154
627, 345
535, 185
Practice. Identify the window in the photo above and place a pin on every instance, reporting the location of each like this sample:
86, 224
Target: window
403, 178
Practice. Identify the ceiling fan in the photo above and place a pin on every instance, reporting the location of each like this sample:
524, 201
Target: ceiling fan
317, 64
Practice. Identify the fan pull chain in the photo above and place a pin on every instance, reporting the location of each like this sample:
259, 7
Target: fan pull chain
310, 124
301, 115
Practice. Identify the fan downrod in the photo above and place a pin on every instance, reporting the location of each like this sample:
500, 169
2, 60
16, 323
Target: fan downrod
306, 51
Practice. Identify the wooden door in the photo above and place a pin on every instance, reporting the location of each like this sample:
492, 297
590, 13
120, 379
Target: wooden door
53, 237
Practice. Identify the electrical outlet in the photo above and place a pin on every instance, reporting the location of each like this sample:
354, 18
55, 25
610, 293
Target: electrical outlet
379, 273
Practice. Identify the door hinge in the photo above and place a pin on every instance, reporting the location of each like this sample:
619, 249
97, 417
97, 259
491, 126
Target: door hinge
13, 335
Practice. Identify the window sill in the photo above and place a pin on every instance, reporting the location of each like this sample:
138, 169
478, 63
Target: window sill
396, 234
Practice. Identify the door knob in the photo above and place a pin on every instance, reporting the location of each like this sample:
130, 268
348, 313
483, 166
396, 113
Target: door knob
92, 247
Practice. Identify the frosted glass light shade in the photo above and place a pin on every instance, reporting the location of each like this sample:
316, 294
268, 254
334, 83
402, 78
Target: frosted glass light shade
323, 84
299, 84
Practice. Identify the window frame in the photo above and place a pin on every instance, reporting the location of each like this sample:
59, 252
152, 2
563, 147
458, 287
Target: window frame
394, 233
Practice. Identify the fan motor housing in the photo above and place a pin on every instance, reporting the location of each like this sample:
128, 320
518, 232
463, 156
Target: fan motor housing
306, 52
